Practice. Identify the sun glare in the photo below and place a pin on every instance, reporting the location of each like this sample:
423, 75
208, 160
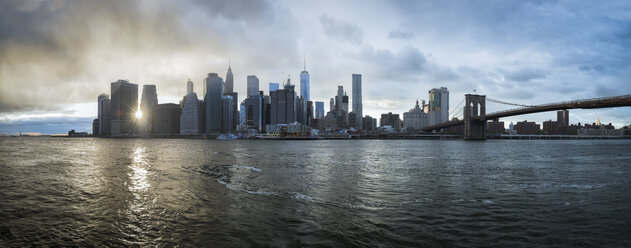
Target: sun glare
138, 114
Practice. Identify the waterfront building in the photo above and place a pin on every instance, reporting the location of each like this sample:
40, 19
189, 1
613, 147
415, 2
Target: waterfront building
310, 112
166, 119
495, 127
229, 88
95, 127
329, 122
213, 103
253, 85
235, 108
319, 110
273, 87
438, 106
415, 119
352, 116
242, 115
283, 105
104, 115
148, 100
227, 119
191, 122
338, 100
390, 119
123, 107
357, 100
526, 127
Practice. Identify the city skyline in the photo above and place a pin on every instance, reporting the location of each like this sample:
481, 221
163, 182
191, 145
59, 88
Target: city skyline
400, 59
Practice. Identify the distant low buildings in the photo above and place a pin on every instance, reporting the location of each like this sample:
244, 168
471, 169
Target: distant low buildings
391, 120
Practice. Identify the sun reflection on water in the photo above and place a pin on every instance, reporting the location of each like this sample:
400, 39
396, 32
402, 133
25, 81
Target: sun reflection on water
138, 175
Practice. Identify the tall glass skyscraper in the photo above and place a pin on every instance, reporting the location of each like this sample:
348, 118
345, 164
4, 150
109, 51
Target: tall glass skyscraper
357, 100
214, 103
104, 114
305, 92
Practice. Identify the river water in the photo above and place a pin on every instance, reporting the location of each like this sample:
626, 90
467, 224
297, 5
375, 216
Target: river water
389, 193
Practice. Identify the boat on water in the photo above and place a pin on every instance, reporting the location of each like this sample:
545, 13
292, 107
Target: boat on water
227, 137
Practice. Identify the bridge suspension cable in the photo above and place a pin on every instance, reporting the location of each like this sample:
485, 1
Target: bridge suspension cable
508, 103
453, 111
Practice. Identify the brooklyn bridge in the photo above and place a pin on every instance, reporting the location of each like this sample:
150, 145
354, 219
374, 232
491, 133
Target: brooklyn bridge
475, 116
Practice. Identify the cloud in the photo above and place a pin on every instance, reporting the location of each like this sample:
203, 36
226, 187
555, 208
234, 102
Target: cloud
341, 31
400, 34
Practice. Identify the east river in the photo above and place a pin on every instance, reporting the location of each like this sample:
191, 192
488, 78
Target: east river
345, 193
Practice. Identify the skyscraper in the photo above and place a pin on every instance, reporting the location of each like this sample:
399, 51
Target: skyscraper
438, 106
124, 105
148, 100
166, 119
301, 110
213, 102
191, 117
319, 110
229, 81
283, 109
253, 86
338, 99
273, 87
304, 84
227, 120
332, 105
104, 115
254, 112
357, 100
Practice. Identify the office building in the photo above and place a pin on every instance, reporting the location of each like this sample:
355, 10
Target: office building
304, 84
227, 124
254, 112
124, 105
415, 119
95, 127
332, 105
213, 103
319, 110
495, 127
104, 115
191, 122
273, 87
253, 86
438, 106
369, 123
283, 105
357, 100
301, 110
166, 119
148, 100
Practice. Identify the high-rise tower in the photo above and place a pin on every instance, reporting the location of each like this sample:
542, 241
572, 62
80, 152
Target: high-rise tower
213, 102
305, 92
229, 81
124, 105
357, 100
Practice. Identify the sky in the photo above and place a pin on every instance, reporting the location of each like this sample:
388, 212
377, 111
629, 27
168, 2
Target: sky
57, 56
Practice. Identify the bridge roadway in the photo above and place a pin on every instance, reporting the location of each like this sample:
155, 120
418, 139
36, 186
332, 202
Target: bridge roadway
603, 102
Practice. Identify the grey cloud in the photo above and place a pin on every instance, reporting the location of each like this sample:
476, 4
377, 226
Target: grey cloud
341, 31
525, 75
60, 52
400, 34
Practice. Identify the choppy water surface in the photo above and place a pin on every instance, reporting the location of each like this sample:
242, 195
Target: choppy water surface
166, 192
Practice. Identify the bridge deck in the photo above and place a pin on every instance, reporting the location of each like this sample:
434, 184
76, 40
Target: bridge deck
603, 102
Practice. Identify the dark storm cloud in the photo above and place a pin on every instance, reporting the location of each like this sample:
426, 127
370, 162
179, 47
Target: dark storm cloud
341, 30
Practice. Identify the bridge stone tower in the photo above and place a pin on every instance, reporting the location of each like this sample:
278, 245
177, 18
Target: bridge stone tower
474, 117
